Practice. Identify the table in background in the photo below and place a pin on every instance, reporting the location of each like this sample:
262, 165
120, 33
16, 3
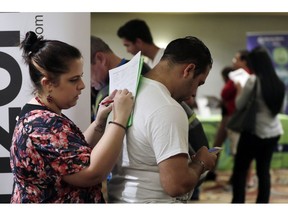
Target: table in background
280, 156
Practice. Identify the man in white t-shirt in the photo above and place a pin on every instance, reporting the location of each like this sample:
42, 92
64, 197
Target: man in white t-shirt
136, 36
155, 165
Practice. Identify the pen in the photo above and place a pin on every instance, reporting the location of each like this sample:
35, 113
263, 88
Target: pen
107, 102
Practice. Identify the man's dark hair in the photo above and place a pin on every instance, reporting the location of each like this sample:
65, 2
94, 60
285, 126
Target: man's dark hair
134, 29
189, 50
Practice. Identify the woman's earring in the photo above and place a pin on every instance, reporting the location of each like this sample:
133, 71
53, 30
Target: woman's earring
49, 98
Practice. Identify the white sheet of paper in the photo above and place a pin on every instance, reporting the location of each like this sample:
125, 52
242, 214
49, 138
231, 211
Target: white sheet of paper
126, 76
239, 76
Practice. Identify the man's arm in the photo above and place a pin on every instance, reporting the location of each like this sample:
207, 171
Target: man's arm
178, 176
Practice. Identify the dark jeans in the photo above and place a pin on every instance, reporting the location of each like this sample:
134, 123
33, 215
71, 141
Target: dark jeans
252, 147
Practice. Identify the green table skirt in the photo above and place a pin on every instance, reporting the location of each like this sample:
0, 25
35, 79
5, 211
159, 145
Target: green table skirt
280, 156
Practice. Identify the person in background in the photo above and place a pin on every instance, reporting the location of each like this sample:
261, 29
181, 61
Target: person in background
228, 96
259, 145
52, 161
227, 104
136, 36
196, 137
241, 60
155, 165
103, 59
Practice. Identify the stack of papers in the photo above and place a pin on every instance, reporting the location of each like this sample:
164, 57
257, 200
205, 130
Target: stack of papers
127, 76
239, 76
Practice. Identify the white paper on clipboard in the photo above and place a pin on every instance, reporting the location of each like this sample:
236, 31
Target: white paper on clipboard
127, 76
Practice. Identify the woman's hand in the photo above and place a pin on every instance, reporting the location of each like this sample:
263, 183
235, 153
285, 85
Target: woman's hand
104, 110
107, 144
122, 106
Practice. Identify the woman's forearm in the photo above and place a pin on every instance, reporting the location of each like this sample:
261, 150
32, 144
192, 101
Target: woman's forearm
94, 132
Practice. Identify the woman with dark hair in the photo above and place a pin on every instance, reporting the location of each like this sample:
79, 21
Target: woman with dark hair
260, 143
51, 159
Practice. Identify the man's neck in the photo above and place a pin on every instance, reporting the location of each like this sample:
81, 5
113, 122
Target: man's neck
157, 74
150, 51
114, 61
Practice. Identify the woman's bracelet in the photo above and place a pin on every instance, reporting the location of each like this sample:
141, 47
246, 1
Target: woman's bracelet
120, 125
201, 163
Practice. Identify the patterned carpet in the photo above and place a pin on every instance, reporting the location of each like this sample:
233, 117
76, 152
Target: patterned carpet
220, 192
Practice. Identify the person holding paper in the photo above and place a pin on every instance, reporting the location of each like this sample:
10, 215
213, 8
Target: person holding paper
237, 77
52, 161
259, 144
155, 165
243, 71
228, 95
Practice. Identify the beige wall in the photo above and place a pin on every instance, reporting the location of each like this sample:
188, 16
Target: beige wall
223, 33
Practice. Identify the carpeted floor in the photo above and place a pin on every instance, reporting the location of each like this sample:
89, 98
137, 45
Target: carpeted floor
220, 192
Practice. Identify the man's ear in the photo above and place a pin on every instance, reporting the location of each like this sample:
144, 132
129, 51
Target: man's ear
138, 42
190, 68
100, 58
